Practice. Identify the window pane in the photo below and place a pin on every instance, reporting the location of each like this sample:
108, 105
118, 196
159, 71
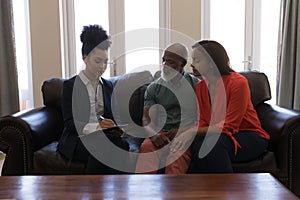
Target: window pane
227, 25
269, 40
89, 12
141, 14
23, 53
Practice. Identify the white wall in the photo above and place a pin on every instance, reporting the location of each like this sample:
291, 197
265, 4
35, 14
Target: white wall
185, 17
45, 43
186, 20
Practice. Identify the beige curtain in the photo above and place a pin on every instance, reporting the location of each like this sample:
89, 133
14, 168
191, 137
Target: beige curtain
288, 88
9, 97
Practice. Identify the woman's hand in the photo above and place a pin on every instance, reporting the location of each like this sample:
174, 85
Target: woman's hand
183, 141
106, 123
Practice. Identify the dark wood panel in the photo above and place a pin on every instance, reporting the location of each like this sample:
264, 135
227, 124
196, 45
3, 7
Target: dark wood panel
190, 186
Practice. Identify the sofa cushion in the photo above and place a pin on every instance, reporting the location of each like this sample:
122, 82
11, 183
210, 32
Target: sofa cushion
264, 163
52, 87
47, 161
256, 80
128, 97
133, 79
259, 86
52, 91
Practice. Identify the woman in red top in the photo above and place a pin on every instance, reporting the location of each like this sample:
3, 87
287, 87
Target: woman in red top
228, 127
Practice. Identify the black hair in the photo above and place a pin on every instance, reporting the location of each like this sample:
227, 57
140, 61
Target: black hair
94, 36
217, 53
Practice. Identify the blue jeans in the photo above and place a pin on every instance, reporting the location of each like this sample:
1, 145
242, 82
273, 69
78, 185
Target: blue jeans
220, 151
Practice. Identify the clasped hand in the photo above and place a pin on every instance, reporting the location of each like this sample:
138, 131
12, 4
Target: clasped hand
178, 142
182, 141
163, 137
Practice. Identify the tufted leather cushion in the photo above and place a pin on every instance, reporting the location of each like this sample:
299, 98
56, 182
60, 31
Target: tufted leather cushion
129, 96
264, 163
259, 87
52, 91
52, 88
133, 79
258, 84
48, 156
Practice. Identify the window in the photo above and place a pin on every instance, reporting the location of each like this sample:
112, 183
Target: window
21, 27
119, 18
89, 12
148, 17
248, 29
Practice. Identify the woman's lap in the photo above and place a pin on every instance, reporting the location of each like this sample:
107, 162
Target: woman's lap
215, 153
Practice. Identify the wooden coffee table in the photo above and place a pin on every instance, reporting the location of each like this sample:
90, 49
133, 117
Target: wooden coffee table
189, 186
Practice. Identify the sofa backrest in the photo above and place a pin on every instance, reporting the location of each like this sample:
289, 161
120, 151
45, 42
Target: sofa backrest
135, 82
259, 86
129, 89
52, 91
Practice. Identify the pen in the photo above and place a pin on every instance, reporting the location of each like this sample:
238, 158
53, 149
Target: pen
100, 118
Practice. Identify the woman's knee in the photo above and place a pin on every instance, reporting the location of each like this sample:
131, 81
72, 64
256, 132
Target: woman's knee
211, 143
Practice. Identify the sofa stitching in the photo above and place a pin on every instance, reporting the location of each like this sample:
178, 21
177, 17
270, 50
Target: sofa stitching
290, 177
16, 129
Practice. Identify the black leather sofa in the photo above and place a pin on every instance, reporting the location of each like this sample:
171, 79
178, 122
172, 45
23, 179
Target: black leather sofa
29, 138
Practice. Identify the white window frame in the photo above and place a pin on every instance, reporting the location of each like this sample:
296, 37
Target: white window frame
29, 61
116, 25
252, 37
68, 41
205, 19
164, 23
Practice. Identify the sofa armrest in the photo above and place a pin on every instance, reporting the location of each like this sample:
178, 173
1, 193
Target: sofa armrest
283, 125
24, 133
46, 125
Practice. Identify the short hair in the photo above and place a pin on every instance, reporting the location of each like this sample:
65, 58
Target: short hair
93, 36
217, 53
179, 50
